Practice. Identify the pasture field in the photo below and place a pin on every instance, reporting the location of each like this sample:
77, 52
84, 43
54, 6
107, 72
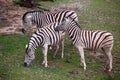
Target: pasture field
93, 15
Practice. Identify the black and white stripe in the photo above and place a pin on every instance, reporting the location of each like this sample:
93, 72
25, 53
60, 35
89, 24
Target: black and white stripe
43, 18
88, 39
43, 36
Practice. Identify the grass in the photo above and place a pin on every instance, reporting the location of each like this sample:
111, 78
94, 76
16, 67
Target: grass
12, 57
99, 14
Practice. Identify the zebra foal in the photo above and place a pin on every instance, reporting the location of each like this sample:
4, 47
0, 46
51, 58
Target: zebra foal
43, 36
88, 39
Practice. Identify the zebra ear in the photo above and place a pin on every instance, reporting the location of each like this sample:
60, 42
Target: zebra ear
29, 16
26, 46
67, 19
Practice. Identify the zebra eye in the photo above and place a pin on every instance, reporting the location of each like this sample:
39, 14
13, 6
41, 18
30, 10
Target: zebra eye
62, 24
28, 50
25, 21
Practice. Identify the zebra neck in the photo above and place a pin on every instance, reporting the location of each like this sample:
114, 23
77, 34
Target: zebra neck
73, 33
32, 47
35, 41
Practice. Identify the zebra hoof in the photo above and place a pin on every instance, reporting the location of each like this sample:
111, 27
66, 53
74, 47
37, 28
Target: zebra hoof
54, 56
46, 65
62, 57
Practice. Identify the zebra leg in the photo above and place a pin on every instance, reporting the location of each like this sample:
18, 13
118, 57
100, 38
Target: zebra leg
50, 47
109, 57
44, 50
81, 52
57, 48
62, 48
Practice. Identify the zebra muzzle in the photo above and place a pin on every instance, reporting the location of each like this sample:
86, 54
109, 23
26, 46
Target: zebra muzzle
23, 31
25, 64
56, 29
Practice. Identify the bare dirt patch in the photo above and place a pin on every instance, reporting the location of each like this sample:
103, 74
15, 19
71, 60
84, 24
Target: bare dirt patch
71, 6
73, 73
10, 17
76, 5
1, 78
97, 55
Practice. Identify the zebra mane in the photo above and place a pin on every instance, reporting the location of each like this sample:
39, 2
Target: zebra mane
76, 23
24, 15
73, 20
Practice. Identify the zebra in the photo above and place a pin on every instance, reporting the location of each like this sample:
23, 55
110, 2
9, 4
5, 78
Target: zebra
43, 18
43, 36
90, 39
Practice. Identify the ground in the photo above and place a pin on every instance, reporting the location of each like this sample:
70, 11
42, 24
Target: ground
93, 15
12, 15
10, 18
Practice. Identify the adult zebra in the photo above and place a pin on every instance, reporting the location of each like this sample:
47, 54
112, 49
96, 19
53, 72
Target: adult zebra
43, 18
43, 36
88, 39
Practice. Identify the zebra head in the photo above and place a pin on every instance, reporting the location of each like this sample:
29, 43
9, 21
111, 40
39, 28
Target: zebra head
64, 24
27, 22
29, 56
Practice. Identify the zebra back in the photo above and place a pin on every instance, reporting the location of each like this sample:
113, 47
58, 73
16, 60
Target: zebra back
46, 35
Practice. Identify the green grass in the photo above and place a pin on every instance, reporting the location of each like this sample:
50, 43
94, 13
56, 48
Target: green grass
12, 54
99, 14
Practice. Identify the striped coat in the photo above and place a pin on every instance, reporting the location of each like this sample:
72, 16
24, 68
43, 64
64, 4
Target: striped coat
43, 36
88, 39
43, 18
